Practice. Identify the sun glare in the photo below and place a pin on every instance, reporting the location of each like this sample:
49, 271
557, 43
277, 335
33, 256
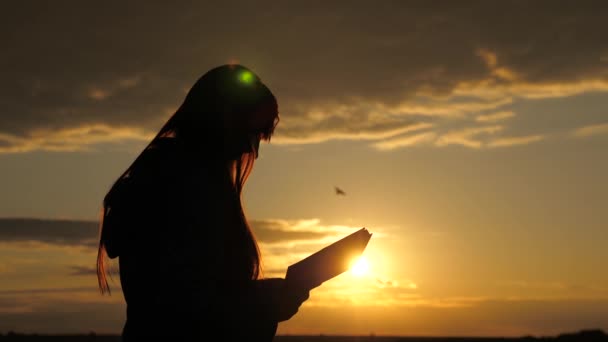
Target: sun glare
360, 267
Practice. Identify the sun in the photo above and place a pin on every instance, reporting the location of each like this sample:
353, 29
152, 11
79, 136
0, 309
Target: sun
360, 267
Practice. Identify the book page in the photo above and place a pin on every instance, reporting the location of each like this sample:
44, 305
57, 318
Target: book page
328, 262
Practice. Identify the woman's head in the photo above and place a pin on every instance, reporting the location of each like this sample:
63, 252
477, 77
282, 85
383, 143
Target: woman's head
225, 112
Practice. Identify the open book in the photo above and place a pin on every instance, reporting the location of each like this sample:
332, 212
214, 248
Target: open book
328, 262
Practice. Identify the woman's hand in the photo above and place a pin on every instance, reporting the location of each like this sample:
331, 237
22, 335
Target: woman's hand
286, 300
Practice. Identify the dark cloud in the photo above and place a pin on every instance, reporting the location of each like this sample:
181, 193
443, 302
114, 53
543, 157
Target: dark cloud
85, 233
71, 63
57, 232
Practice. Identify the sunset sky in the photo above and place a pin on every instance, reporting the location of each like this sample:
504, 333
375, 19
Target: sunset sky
470, 137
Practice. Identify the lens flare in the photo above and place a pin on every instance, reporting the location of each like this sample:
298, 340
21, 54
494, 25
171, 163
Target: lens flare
246, 77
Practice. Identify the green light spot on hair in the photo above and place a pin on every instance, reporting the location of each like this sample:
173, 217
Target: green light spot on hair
246, 77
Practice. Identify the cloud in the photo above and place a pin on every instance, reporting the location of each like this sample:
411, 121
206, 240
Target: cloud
514, 141
375, 122
493, 117
70, 139
272, 231
54, 232
409, 140
489, 89
362, 72
484, 137
98, 93
347, 126
591, 130
467, 137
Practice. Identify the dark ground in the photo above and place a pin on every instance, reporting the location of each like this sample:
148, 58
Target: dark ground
583, 336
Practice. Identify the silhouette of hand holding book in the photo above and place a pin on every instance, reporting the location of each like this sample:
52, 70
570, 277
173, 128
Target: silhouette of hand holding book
328, 262
287, 294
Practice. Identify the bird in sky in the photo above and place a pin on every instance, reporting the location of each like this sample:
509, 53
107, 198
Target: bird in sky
339, 191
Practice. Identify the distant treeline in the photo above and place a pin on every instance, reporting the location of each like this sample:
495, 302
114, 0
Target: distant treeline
581, 336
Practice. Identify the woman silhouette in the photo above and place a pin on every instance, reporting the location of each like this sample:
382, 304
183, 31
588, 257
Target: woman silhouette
189, 263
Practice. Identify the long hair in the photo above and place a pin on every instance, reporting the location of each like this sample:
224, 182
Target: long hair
223, 118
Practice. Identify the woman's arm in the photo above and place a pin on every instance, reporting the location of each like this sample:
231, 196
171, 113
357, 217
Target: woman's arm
255, 308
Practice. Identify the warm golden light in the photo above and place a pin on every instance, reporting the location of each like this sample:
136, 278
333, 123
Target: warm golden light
360, 267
